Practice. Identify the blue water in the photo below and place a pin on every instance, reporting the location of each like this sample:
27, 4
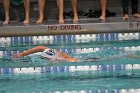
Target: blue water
63, 84
108, 50
74, 81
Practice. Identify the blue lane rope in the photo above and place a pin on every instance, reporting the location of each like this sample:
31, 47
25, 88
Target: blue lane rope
97, 91
70, 38
67, 69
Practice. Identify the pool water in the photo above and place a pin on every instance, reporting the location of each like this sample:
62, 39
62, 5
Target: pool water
118, 71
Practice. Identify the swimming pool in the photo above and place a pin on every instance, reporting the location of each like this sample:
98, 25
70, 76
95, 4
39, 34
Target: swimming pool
117, 75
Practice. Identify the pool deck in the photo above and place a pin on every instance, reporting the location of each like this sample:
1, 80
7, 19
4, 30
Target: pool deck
85, 26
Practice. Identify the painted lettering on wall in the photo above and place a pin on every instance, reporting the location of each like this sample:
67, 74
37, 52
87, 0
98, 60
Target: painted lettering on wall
134, 24
64, 27
70, 27
52, 27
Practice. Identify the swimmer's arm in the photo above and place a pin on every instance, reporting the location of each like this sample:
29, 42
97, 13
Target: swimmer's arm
30, 51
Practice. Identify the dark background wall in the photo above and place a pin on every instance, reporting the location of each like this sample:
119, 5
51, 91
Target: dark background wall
51, 8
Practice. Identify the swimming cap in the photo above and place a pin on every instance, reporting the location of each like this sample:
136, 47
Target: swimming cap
49, 54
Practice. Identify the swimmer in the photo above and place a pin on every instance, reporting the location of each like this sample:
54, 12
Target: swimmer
48, 54
56, 56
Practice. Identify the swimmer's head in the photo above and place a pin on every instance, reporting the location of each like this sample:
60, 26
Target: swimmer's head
49, 54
